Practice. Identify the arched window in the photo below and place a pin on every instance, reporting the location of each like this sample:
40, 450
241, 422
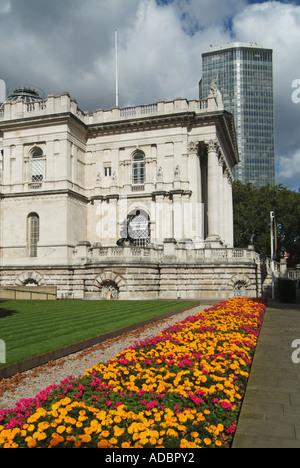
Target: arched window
110, 290
239, 289
33, 233
138, 168
139, 228
37, 165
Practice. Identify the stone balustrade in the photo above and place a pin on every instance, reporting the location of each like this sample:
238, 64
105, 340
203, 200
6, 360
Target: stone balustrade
170, 252
64, 103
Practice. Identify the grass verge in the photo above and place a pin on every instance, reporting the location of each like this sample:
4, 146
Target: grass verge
30, 328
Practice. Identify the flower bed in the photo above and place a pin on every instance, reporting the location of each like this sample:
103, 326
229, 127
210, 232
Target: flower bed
182, 388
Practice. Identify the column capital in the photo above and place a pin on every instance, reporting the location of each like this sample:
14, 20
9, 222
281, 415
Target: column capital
222, 161
193, 146
229, 176
213, 146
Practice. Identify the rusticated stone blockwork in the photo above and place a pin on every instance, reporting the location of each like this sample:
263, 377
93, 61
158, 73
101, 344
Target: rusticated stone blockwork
207, 278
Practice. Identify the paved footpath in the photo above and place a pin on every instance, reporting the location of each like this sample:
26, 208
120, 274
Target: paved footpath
270, 416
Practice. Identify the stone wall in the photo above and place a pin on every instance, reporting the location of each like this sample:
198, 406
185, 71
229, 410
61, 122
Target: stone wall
42, 293
150, 273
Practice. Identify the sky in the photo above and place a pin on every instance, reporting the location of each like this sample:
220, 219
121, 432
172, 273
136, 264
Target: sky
69, 45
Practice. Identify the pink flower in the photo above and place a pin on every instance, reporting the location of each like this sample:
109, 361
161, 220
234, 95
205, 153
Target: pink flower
231, 429
151, 404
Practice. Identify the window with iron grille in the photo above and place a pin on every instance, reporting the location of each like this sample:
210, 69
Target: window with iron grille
138, 229
37, 165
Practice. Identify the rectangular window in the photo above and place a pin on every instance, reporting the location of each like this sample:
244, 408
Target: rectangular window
107, 171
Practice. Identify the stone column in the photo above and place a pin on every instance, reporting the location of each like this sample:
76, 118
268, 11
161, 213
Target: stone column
213, 193
112, 220
230, 211
177, 215
194, 208
222, 200
158, 218
228, 207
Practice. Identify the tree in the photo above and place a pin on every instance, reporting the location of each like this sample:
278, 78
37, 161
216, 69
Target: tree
252, 207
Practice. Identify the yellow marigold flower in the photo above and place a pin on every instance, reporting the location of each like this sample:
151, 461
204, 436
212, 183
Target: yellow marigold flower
103, 444
31, 442
113, 441
135, 436
182, 417
207, 441
88, 430
85, 438
125, 445
60, 429
56, 439
82, 418
42, 426
118, 431
144, 441
181, 428
184, 443
171, 432
66, 401
40, 435
70, 420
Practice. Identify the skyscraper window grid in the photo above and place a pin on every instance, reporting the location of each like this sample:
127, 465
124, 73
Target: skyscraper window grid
244, 74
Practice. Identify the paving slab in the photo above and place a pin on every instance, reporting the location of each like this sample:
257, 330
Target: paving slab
270, 414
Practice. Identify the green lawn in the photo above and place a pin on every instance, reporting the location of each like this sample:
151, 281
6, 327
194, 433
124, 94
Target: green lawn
30, 328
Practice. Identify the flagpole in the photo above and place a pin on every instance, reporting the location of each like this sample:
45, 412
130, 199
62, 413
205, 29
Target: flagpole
116, 58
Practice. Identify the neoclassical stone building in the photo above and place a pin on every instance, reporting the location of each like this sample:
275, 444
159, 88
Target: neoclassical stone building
131, 203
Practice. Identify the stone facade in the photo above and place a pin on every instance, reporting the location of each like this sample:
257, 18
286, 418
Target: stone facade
131, 203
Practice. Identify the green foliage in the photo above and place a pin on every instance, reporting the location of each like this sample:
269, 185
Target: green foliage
252, 207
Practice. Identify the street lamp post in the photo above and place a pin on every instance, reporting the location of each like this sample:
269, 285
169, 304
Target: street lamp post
272, 217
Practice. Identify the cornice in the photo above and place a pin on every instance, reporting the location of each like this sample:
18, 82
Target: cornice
140, 124
41, 121
47, 193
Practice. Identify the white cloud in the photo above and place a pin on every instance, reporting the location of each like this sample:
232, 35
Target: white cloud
203, 14
68, 45
289, 170
277, 26
5, 7
157, 58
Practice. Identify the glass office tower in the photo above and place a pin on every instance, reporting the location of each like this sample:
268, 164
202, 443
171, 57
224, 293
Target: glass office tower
244, 73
